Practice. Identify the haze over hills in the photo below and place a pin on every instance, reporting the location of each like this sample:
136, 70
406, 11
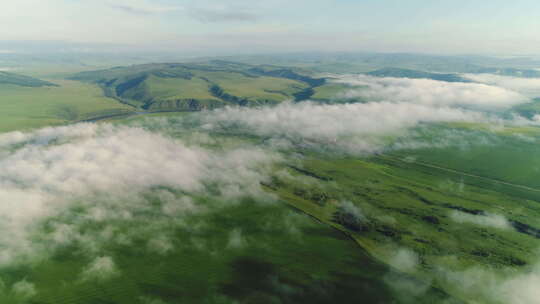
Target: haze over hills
21, 80
405, 73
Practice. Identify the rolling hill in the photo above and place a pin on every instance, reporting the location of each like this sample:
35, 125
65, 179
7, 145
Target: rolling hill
21, 80
197, 86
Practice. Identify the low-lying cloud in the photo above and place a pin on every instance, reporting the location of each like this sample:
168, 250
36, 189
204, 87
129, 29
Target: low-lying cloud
100, 168
485, 220
100, 269
405, 260
527, 86
430, 92
356, 128
490, 286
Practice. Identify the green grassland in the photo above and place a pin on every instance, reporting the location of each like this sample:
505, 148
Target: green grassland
27, 107
292, 249
197, 86
415, 74
313, 264
326, 256
407, 203
263, 88
405, 195
409, 207
489, 157
28, 102
177, 88
22, 80
330, 92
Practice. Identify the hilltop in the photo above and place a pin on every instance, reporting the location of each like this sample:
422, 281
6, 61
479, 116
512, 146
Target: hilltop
197, 86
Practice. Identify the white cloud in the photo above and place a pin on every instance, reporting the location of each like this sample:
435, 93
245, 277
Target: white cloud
143, 7
405, 260
24, 289
526, 86
356, 128
523, 288
486, 220
84, 21
236, 240
173, 206
431, 92
102, 268
161, 245
100, 168
223, 14
349, 208
496, 286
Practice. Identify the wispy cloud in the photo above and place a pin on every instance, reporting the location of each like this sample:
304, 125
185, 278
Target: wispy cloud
486, 220
355, 128
48, 171
223, 15
526, 86
431, 92
145, 8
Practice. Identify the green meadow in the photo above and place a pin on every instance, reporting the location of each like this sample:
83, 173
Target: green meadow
23, 108
403, 225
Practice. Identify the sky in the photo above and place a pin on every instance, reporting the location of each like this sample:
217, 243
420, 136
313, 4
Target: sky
428, 26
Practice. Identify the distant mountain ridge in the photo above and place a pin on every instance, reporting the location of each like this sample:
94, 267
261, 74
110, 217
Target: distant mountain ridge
407, 73
21, 80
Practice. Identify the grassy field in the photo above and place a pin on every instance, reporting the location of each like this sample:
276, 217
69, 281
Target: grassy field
309, 246
23, 108
273, 264
246, 251
329, 92
419, 207
337, 228
178, 88
487, 157
259, 88
428, 209
409, 206
197, 86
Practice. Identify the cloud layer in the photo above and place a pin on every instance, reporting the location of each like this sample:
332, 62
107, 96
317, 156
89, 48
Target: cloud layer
527, 86
44, 173
357, 128
431, 92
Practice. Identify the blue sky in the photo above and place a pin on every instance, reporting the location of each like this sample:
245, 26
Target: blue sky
431, 26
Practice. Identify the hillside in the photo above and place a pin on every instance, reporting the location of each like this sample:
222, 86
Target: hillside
24, 107
406, 73
197, 86
21, 80
514, 72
